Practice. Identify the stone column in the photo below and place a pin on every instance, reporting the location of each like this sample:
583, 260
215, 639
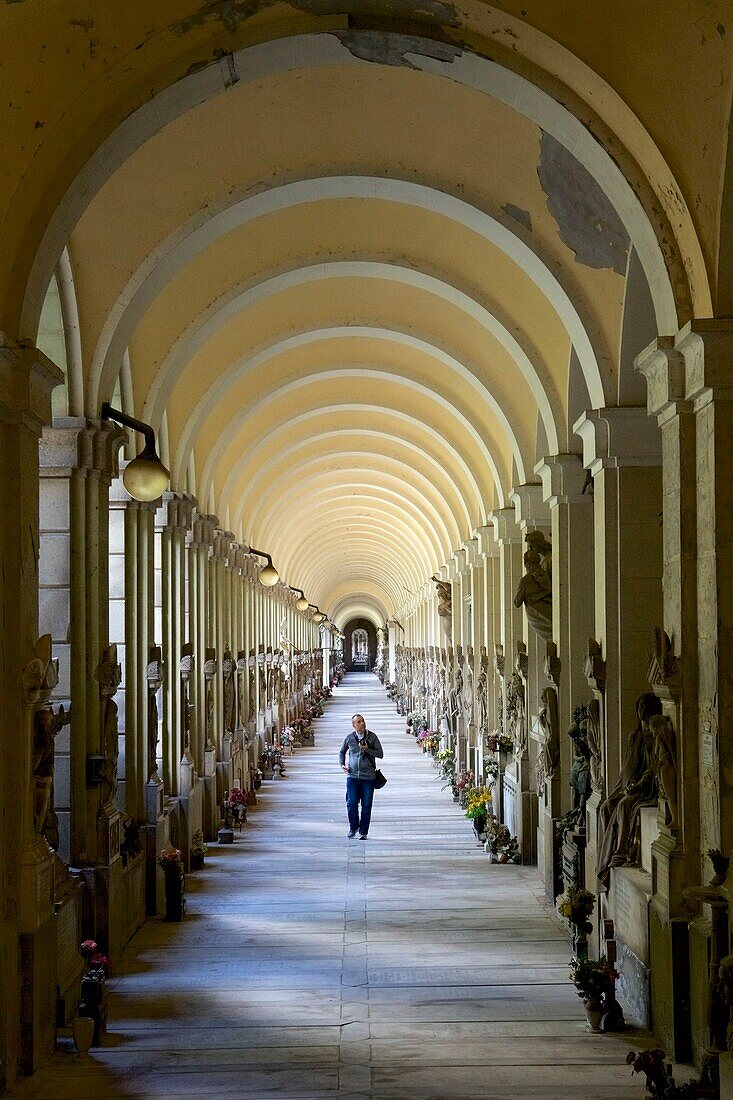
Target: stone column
27, 379
200, 548
690, 392
511, 628
622, 450
173, 521
565, 485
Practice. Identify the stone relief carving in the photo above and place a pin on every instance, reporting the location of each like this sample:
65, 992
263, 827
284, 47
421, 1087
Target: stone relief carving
252, 669
516, 713
109, 676
548, 759
665, 758
210, 669
154, 677
618, 818
47, 724
594, 739
580, 781
185, 673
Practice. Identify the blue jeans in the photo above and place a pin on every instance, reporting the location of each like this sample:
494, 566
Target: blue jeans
359, 790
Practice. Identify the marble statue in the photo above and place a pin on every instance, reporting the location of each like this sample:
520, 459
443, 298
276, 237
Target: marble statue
47, 724
154, 677
229, 692
535, 592
580, 782
594, 740
445, 603
516, 713
665, 758
185, 672
482, 698
618, 817
251, 664
468, 690
549, 756
109, 675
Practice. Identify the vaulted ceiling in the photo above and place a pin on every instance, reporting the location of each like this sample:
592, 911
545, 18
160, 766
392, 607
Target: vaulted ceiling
362, 279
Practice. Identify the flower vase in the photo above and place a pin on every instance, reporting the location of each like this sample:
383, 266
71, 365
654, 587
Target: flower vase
175, 905
593, 1013
196, 861
82, 1030
92, 991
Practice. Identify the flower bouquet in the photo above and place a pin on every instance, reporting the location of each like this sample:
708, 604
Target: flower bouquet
576, 906
500, 845
235, 807
478, 808
198, 851
170, 860
592, 977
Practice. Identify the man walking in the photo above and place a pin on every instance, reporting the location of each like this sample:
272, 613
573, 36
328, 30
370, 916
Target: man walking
363, 747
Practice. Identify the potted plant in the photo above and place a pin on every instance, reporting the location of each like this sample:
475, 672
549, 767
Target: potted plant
478, 808
593, 978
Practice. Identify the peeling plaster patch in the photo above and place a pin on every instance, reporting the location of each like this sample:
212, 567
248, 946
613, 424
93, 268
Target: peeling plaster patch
585, 219
230, 13
522, 216
392, 49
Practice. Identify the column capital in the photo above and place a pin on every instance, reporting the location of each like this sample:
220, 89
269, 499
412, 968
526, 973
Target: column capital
459, 563
27, 379
709, 351
506, 528
529, 506
176, 510
99, 444
617, 437
486, 541
221, 543
203, 528
470, 549
662, 363
563, 480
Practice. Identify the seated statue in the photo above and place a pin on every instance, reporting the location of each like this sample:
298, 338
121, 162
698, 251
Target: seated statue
618, 816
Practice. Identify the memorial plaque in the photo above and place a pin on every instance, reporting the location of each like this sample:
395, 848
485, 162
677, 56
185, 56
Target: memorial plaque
708, 749
509, 803
630, 893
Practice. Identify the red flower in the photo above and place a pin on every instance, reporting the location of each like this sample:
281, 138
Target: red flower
101, 962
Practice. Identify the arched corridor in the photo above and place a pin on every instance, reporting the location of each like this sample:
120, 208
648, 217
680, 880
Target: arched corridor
310, 965
384, 337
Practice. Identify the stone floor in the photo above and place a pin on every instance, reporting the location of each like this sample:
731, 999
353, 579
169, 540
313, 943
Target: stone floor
310, 965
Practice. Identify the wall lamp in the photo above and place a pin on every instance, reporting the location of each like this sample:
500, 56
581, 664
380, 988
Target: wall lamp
145, 478
318, 617
301, 603
268, 574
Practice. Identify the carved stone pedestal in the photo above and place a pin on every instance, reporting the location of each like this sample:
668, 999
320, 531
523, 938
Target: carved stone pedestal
669, 951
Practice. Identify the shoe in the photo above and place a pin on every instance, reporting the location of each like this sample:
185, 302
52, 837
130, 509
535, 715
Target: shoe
361, 837
351, 835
